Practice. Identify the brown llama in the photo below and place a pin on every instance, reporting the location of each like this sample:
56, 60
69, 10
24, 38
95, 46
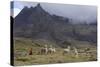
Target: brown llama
30, 51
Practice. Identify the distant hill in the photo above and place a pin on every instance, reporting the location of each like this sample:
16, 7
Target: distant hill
36, 23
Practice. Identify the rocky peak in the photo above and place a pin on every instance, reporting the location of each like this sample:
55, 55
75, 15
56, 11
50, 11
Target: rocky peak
39, 8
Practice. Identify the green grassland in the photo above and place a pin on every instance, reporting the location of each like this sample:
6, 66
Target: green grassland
22, 45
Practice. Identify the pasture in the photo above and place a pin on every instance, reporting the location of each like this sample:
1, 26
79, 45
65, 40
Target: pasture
22, 57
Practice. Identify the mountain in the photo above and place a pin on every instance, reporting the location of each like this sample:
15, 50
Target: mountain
36, 23
37, 19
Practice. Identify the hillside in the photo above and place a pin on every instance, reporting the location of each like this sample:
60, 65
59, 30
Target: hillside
36, 23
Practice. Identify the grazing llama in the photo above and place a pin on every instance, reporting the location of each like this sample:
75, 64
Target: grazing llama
51, 50
76, 52
67, 50
44, 50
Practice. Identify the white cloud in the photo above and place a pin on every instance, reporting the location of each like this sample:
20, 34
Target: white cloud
16, 12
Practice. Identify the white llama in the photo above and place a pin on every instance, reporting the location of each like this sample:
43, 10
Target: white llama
67, 50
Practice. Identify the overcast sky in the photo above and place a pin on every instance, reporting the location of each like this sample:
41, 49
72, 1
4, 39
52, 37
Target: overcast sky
80, 12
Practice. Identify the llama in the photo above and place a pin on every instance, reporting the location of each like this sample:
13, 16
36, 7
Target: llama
67, 50
86, 49
76, 52
30, 51
51, 50
44, 50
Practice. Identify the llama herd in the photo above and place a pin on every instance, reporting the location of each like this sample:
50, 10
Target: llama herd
50, 50
46, 50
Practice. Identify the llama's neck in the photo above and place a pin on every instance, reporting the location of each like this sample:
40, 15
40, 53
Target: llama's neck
68, 47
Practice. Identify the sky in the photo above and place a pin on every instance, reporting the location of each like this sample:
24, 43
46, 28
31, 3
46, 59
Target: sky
78, 12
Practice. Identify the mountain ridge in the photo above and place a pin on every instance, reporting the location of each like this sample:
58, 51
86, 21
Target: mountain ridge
36, 23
